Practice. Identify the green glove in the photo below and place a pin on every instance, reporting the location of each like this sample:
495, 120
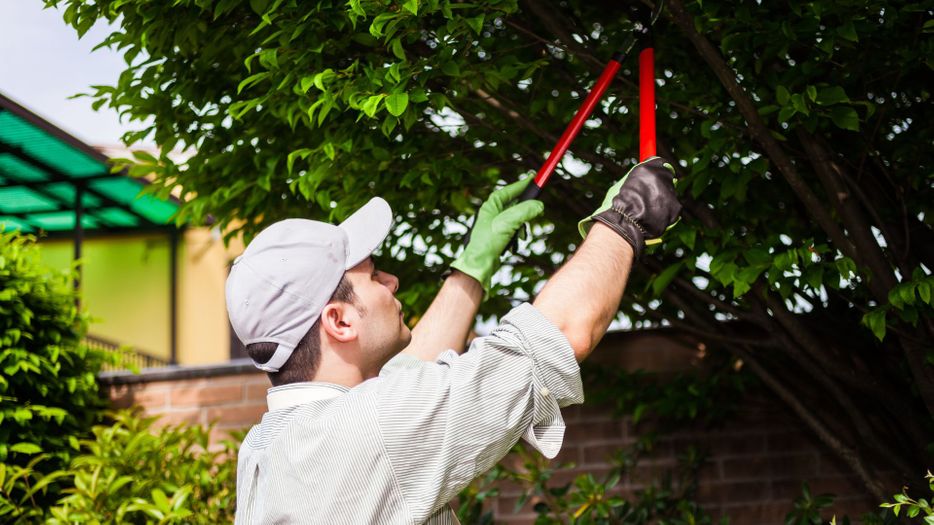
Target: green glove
495, 225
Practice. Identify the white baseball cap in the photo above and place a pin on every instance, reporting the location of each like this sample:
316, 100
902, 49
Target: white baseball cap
278, 287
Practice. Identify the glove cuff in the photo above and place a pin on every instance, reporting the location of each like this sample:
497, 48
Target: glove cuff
482, 275
626, 227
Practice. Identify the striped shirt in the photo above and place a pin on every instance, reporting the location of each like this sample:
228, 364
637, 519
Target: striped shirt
398, 448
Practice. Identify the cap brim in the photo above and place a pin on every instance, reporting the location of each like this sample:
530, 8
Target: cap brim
366, 229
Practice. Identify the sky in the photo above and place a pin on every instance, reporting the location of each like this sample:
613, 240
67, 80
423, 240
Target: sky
42, 64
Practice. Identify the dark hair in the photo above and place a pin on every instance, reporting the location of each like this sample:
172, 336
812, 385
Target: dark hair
303, 363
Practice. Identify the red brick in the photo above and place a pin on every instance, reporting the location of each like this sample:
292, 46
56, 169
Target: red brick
710, 472
174, 417
798, 466
594, 412
506, 506
571, 414
565, 476
650, 472
746, 468
594, 432
789, 442
206, 394
734, 492
732, 444
256, 390
151, 398
600, 454
839, 486
762, 513
245, 415
569, 455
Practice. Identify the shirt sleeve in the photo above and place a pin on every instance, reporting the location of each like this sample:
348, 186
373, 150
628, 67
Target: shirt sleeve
443, 424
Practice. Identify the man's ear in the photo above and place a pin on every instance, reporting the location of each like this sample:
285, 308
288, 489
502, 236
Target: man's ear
340, 321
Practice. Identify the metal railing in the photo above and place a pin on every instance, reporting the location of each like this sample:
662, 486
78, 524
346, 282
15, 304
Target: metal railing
128, 357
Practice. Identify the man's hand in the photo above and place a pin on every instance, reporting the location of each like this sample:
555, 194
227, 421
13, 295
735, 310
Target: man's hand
495, 225
641, 206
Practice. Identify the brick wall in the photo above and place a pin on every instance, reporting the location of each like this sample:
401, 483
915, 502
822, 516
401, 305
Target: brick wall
756, 464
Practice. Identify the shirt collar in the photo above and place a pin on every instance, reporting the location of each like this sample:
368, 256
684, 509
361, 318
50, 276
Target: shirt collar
293, 394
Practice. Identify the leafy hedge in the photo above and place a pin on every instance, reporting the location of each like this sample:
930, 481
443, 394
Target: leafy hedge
131, 472
49, 397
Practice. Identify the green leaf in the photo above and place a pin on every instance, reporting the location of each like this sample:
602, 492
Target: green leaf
786, 113
800, 104
845, 118
814, 276
376, 28
782, 95
356, 8
259, 6
252, 80
812, 93
398, 50
475, 23
832, 95
411, 6
329, 150
372, 104
26, 448
396, 103
924, 291
848, 32
451, 68
664, 279
875, 320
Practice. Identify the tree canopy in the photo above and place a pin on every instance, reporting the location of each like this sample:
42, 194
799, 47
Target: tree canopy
801, 132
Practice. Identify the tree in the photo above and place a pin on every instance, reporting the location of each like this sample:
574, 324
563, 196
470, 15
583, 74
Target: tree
801, 128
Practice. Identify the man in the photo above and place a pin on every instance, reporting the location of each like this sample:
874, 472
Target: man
357, 432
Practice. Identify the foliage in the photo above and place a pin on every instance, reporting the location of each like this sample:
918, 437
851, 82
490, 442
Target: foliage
808, 509
49, 397
688, 399
802, 131
132, 472
913, 508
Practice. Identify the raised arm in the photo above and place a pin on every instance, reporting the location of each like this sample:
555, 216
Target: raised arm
448, 320
451, 315
583, 296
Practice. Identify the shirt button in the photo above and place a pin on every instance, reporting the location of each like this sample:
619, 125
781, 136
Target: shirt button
545, 392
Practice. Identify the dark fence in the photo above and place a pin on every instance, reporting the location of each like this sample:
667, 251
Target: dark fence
128, 358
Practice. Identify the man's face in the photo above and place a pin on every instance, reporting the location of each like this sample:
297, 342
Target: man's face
383, 332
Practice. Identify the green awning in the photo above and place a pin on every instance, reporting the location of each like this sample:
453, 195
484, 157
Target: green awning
42, 171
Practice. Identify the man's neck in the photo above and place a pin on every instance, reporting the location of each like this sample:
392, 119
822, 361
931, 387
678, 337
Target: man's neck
344, 376
335, 368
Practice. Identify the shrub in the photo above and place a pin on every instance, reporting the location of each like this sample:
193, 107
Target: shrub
49, 397
131, 472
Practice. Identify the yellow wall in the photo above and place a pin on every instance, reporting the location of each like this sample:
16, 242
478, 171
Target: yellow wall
203, 329
126, 285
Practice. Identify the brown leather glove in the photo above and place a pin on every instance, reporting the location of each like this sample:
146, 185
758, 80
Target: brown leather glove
641, 205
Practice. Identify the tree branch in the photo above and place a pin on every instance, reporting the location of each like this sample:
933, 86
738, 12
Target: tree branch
758, 130
850, 456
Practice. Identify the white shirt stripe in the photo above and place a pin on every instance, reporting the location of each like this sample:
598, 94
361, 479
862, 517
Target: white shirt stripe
398, 448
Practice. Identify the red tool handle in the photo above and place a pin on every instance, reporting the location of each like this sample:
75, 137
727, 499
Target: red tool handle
603, 82
646, 103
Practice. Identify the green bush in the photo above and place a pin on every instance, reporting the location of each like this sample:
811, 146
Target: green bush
49, 397
131, 472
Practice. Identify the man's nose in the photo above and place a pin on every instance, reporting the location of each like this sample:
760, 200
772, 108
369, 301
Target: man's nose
389, 280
